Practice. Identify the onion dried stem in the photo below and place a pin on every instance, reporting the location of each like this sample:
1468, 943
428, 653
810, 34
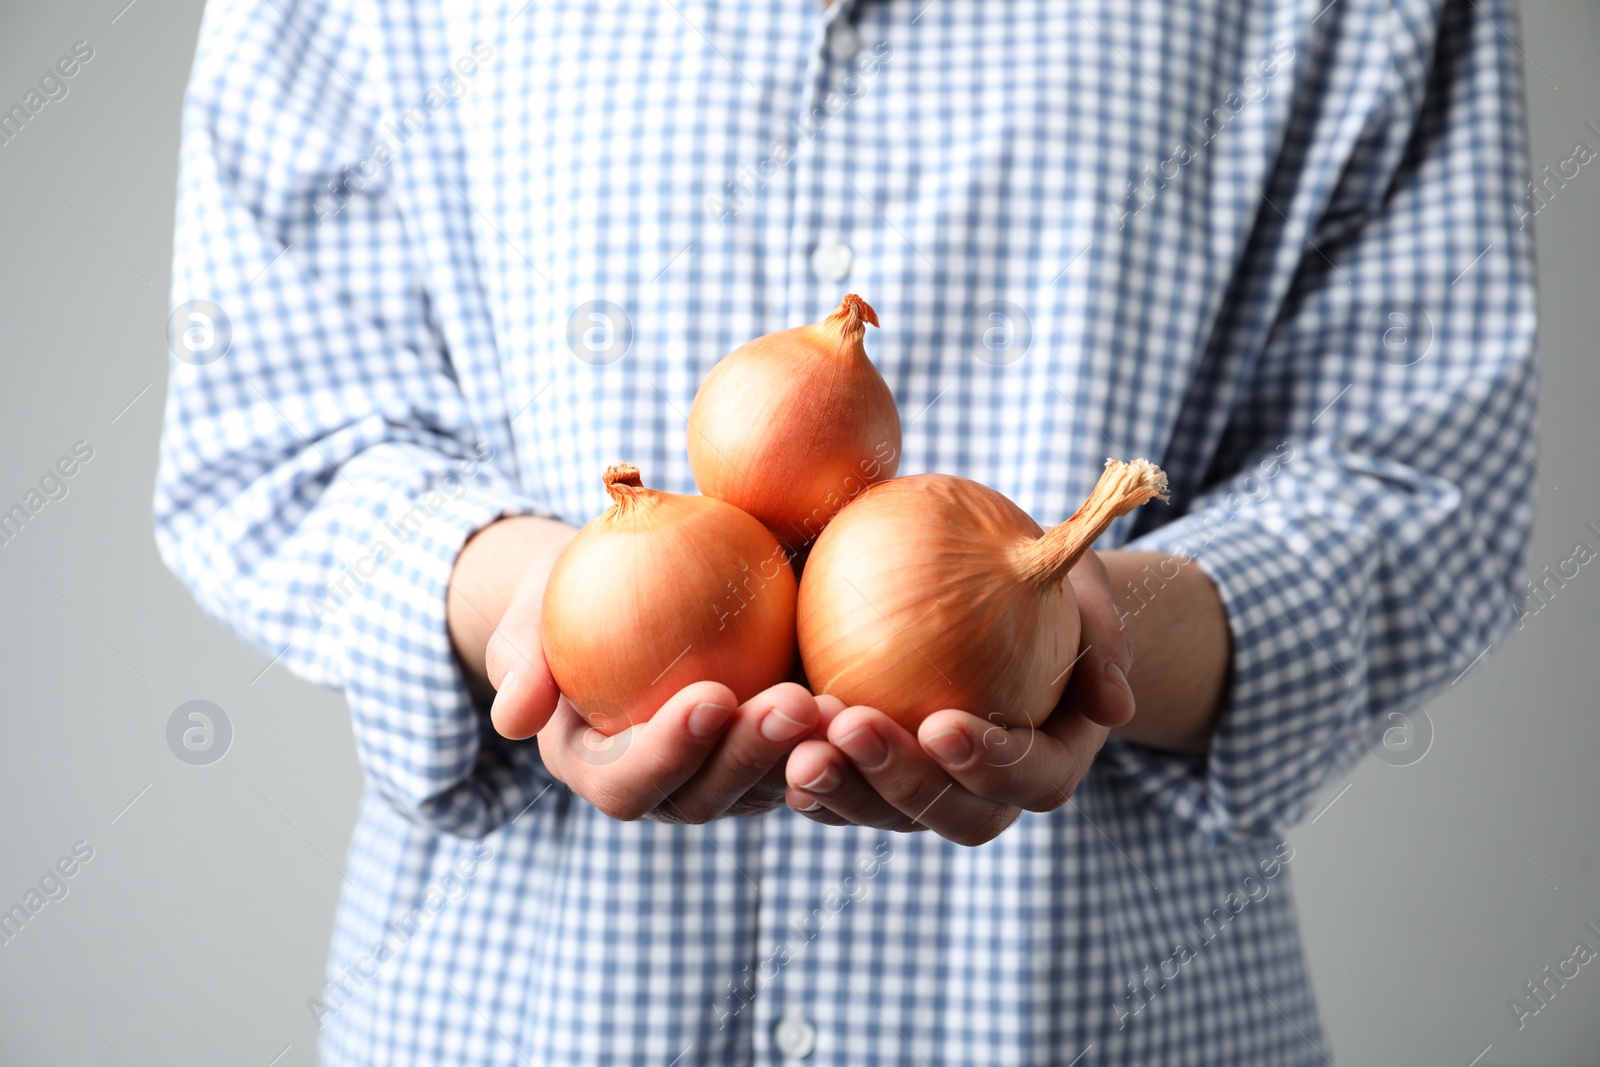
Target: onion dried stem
624, 483
850, 319
1121, 488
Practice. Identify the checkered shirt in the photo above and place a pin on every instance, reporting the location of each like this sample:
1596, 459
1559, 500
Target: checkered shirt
465, 253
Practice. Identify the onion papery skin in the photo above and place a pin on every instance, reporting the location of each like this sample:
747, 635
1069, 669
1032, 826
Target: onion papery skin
792, 426
913, 601
935, 592
660, 591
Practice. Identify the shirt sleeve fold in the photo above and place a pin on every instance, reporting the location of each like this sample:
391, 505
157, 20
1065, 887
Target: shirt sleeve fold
320, 467
1371, 521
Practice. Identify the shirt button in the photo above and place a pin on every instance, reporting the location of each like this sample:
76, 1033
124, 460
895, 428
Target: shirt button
831, 260
795, 1037
843, 40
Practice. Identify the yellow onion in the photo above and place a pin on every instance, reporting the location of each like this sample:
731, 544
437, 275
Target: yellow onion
660, 591
931, 592
792, 426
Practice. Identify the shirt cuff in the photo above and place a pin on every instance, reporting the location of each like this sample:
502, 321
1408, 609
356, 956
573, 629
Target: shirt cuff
425, 745
1292, 717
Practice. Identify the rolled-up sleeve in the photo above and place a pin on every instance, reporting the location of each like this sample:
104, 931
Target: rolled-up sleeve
320, 468
1366, 522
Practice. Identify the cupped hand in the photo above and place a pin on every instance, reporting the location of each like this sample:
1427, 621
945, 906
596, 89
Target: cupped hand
702, 756
960, 776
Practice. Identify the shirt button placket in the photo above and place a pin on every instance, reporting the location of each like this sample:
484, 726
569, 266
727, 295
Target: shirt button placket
821, 208
817, 253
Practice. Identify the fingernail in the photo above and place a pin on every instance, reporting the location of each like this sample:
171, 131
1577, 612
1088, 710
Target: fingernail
776, 726
706, 719
826, 782
815, 805
1115, 676
506, 685
953, 746
865, 748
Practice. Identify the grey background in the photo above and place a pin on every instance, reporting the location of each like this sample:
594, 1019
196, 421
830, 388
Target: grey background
1429, 893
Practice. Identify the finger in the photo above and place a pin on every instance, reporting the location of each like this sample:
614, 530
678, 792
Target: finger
1098, 688
525, 698
828, 706
525, 691
812, 808
823, 785
893, 764
628, 775
515, 642
763, 731
762, 797
1034, 768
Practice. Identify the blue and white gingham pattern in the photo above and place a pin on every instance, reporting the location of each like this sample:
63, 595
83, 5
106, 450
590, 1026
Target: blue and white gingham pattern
1200, 215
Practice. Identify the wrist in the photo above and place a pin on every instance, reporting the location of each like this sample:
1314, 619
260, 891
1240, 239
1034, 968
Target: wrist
489, 571
1183, 648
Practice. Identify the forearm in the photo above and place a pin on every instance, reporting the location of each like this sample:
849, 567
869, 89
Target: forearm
1182, 649
489, 570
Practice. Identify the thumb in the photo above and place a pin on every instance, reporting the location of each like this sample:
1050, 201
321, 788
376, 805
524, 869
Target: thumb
525, 690
1098, 688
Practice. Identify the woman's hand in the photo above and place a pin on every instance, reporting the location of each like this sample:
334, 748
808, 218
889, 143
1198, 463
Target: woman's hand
962, 777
